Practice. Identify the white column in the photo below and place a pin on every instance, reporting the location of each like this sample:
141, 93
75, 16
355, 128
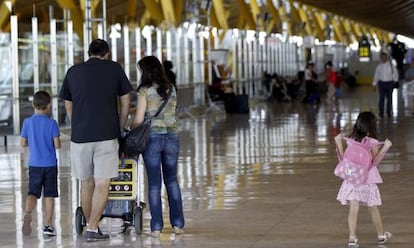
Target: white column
234, 65
239, 60
137, 50
35, 47
246, 72
159, 44
195, 57
202, 71
178, 57
250, 62
168, 42
53, 73
113, 36
15, 73
186, 57
70, 44
127, 59
149, 45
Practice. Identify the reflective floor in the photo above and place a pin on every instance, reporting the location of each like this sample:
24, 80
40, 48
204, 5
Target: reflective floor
263, 179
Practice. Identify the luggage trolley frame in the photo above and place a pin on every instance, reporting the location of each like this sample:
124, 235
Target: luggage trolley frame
123, 201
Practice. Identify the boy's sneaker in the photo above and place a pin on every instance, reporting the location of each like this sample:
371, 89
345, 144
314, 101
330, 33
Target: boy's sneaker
27, 220
49, 231
95, 236
382, 239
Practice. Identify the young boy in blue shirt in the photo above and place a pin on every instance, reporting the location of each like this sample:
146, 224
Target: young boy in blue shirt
41, 134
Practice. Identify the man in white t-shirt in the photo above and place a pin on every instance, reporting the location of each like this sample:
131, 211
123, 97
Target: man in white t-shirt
385, 76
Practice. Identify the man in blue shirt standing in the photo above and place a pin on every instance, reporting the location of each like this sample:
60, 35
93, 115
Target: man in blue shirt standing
92, 91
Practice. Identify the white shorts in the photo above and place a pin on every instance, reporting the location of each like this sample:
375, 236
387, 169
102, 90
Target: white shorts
95, 159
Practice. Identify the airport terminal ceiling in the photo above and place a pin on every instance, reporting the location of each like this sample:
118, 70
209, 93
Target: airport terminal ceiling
394, 16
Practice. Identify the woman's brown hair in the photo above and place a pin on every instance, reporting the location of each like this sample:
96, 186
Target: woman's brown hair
153, 73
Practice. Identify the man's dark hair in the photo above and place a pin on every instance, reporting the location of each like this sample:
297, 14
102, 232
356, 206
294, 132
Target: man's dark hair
41, 99
98, 47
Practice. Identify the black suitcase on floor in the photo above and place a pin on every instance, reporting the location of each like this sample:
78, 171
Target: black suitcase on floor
230, 103
242, 104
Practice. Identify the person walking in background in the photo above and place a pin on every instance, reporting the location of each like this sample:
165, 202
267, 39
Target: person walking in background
91, 91
385, 76
366, 194
161, 154
169, 73
409, 73
41, 134
331, 80
310, 78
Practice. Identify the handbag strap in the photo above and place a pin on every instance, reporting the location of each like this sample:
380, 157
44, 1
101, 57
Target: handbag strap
163, 104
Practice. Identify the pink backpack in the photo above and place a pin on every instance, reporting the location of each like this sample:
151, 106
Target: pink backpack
356, 162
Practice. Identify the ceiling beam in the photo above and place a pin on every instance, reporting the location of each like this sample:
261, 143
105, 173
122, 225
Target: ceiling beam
154, 9
76, 15
178, 8
145, 18
321, 23
246, 16
213, 18
346, 30
339, 33
256, 15
319, 31
355, 30
275, 20
168, 11
132, 10
5, 12
304, 18
220, 13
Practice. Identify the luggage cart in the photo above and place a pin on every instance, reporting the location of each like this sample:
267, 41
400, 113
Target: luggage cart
123, 201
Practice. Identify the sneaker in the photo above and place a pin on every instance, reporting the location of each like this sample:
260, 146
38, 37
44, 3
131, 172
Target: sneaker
27, 220
353, 243
155, 234
178, 230
49, 231
382, 239
95, 236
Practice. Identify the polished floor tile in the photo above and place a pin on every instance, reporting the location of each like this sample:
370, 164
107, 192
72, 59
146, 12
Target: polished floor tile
257, 180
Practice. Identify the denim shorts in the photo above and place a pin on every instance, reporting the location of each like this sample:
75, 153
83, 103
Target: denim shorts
43, 178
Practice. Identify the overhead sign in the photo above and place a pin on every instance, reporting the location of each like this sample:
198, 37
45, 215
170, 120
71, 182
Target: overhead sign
364, 50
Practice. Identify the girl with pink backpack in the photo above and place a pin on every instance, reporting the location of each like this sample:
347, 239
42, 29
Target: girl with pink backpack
364, 193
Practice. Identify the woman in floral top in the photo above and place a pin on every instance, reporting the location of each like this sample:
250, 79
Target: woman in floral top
161, 154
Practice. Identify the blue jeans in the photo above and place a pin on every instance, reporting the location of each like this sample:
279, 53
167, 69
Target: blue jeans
160, 158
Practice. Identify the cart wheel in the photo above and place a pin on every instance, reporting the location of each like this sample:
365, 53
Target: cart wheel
79, 220
138, 220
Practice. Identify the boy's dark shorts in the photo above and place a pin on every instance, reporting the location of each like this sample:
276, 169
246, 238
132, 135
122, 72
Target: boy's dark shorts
43, 178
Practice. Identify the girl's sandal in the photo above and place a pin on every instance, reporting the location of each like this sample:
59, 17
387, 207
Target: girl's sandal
382, 239
353, 242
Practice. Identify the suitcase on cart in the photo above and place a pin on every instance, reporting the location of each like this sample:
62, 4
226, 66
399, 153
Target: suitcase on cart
123, 201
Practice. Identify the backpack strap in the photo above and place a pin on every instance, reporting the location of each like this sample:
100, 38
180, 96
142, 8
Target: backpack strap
339, 147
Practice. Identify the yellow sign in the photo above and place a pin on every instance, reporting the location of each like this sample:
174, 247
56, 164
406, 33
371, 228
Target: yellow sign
123, 187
